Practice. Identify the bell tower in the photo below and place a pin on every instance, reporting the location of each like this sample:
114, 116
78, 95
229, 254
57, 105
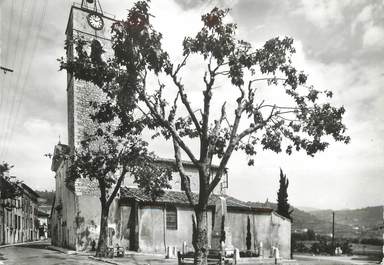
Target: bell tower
92, 5
88, 21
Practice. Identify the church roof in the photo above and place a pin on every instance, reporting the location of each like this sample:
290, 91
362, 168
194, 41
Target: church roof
179, 198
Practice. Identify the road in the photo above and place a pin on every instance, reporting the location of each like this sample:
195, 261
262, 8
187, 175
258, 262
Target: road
37, 253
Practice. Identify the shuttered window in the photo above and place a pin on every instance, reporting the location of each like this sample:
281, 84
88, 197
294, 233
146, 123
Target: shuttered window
171, 218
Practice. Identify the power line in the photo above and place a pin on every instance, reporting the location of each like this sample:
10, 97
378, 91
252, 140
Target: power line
14, 82
9, 28
9, 81
18, 107
6, 54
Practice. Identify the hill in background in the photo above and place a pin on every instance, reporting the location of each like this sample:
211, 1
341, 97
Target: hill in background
351, 223
46, 195
364, 222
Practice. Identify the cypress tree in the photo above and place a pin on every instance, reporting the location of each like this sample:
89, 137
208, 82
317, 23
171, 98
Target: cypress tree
249, 237
282, 196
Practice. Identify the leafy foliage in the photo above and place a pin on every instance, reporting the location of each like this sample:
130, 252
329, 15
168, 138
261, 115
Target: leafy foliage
107, 159
9, 185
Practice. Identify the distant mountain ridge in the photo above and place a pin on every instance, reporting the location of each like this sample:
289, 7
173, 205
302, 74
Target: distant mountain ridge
368, 216
46, 195
349, 223
364, 222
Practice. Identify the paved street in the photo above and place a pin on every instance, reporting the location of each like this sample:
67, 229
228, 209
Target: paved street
328, 260
37, 253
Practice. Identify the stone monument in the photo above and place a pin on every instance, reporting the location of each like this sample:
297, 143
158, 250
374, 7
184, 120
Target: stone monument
221, 229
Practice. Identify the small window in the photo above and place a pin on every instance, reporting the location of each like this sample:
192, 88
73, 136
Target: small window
171, 216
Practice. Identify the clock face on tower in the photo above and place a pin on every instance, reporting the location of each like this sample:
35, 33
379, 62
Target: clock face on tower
95, 21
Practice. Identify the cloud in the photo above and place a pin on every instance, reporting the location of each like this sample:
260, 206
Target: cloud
38, 137
324, 13
373, 38
193, 4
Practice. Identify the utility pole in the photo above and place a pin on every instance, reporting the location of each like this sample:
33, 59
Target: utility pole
5, 69
382, 228
333, 234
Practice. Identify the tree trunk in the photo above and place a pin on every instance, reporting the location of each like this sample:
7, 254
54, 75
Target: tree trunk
200, 238
102, 245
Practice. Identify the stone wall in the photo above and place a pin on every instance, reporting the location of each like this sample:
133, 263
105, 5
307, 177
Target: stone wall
270, 229
64, 211
155, 237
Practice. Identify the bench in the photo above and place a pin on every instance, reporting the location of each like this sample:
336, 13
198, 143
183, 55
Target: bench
214, 258
115, 251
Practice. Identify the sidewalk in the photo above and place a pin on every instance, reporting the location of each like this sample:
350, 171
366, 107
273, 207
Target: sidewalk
130, 258
145, 259
23, 243
138, 259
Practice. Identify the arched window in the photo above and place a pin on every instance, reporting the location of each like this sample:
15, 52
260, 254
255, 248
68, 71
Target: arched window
96, 51
171, 217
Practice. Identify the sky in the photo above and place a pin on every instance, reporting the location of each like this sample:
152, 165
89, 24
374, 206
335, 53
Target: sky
339, 44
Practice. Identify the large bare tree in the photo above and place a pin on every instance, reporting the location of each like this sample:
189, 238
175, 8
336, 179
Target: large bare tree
248, 122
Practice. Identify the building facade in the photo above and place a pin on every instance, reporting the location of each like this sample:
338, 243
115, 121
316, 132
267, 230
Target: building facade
136, 222
18, 217
43, 218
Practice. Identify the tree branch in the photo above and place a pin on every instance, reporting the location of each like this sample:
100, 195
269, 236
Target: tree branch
172, 113
117, 187
167, 125
186, 103
183, 95
268, 79
253, 129
204, 142
215, 132
183, 176
183, 63
232, 142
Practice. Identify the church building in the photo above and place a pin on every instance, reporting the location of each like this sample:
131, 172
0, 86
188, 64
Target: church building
136, 222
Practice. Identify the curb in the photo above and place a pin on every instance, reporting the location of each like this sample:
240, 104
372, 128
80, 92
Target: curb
102, 260
22, 243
